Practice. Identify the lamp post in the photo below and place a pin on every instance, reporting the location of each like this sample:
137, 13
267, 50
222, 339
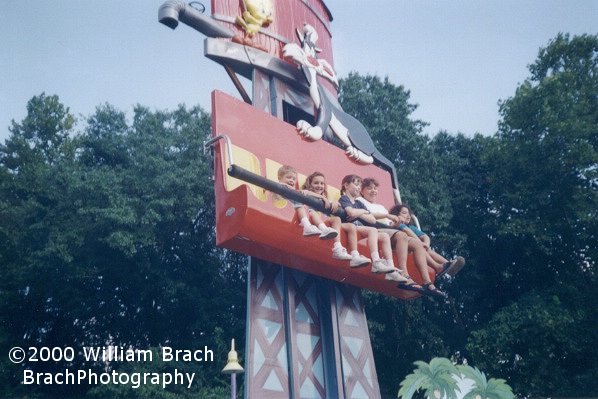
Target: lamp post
232, 367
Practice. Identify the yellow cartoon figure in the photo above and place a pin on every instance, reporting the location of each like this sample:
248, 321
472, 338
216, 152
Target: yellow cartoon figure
257, 13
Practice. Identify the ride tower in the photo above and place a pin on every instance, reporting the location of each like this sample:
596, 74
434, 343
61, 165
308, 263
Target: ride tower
307, 334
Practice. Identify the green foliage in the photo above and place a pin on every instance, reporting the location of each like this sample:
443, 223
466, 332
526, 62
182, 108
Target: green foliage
546, 342
495, 388
107, 238
440, 379
548, 151
541, 227
41, 136
435, 379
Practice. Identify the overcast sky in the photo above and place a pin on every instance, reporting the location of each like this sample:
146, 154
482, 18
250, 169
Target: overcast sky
458, 58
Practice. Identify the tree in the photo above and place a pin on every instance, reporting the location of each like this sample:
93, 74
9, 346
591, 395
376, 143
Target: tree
541, 214
435, 379
548, 156
108, 238
545, 342
41, 136
483, 388
30, 190
441, 379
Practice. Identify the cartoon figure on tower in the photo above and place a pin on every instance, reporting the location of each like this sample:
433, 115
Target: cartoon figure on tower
357, 141
256, 14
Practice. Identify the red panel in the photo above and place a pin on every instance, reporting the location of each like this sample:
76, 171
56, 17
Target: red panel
258, 228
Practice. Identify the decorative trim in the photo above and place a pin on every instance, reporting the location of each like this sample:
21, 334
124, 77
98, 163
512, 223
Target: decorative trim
243, 59
318, 15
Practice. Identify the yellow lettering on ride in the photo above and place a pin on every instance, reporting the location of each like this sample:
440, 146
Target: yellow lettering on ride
249, 161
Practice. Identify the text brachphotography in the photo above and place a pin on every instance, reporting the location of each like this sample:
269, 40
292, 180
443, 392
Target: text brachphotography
135, 379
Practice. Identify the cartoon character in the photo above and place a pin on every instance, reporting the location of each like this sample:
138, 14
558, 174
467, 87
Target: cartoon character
358, 143
257, 14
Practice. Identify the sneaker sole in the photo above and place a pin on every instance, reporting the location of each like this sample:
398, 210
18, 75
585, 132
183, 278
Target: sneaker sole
361, 264
310, 234
342, 257
396, 280
382, 271
391, 280
328, 236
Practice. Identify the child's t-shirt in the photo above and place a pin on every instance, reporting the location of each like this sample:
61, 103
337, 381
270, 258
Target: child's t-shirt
413, 228
345, 202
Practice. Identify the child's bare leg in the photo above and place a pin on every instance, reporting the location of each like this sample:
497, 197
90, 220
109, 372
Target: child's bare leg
357, 260
419, 256
437, 257
335, 223
351, 231
393, 273
384, 241
315, 218
338, 251
326, 231
378, 265
308, 228
301, 212
372, 236
400, 241
432, 263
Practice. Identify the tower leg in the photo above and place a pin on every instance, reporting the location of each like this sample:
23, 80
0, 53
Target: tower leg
306, 337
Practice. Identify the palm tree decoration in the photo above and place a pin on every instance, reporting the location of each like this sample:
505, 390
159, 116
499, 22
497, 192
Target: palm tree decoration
495, 388
436, 379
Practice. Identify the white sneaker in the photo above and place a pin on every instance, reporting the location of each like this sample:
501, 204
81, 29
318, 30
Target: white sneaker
395, 276
380, 266
341, 253
311, 230
328, 234
359, 260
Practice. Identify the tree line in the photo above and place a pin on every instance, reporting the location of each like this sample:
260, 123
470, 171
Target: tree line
107, 236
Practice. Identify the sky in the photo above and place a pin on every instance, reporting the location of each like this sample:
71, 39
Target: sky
457, 58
